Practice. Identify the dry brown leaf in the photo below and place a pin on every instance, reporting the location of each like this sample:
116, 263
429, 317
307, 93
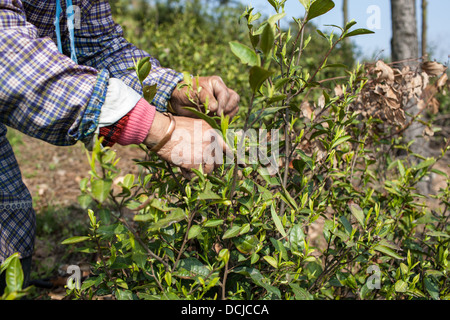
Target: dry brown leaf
428, 132
321, 102
306, 110
433, 68
384, 72
391, 99
421, 104
434, 105
416, 86
425, 80
400, 116
338, 90
442, 81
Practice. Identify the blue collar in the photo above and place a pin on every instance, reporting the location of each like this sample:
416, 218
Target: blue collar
70, 24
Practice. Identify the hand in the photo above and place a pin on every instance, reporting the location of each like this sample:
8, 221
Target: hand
194, 144
221, 100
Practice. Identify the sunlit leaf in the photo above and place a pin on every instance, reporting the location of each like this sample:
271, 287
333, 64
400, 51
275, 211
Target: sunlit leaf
73, 240
319, 7
358, 32
245, 54
101, 189
277, 221
357, 212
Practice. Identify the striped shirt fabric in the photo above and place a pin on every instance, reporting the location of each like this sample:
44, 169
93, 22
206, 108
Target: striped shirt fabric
46, 95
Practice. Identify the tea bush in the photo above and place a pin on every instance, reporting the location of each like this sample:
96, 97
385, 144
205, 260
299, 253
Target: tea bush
331, 213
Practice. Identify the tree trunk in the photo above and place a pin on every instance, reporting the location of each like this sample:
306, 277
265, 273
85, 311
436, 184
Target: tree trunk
405, 43
345, 11
345, 17
405, 51
424, 28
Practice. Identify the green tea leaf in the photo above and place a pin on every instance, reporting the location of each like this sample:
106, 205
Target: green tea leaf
73, 240
388, 251
438, 234
101, 189
358, 32
273, 19
432, 287
305, 3
297, 236
210, 120
336, 65
245, 54
149, 92
424, 164
339, 141
319, 7
271, 260
232, 232
213, 223
194, 267
84, 200
258, 279
208, 194
14, 275
300, 293
257, 77
277, 221
401, 286
128, 181
246, 244
357, 212
143, 68
224, 255
267, 39
350, 24
176, 216
194, 231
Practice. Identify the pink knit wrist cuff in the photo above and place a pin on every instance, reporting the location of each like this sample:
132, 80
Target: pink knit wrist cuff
140, 120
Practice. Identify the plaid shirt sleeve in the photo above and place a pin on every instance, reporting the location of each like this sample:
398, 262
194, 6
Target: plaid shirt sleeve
42, 92
45, 94
100, 43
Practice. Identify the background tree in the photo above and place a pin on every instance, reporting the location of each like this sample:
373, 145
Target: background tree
424, 27
345, 15
405, 51
405, 43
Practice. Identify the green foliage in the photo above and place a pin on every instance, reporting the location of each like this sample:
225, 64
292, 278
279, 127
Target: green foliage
340, 218
14, 278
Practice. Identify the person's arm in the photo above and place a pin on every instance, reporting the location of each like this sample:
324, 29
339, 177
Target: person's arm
100, 44
42, 92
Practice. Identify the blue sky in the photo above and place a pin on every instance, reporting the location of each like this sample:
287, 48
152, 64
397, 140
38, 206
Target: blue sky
378, 44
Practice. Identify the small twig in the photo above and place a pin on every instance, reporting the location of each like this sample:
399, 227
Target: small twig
185, 240
150, 252
225, 275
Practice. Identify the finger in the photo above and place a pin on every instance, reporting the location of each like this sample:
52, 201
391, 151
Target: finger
207, 96
232, 107
221, 93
